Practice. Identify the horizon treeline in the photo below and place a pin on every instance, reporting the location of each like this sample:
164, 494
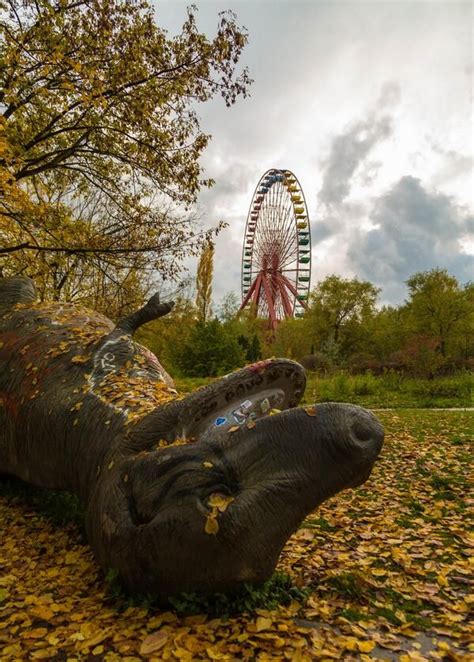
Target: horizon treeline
430, 334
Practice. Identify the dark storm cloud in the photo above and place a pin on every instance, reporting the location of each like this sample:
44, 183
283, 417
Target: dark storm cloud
417, 230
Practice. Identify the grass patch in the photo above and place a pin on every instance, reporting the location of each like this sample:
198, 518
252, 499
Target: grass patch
396, 609
277, 591
317, 523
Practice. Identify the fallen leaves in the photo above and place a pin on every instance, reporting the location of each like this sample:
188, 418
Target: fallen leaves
154, 642
386, 572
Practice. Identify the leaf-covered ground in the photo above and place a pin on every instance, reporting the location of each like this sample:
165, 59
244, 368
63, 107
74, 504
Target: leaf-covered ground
386, 568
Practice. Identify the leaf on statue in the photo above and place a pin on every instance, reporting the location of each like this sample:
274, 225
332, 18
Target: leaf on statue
79, 359
212, 526
220, 501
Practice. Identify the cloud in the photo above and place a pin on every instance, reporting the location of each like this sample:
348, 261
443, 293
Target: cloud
415, 230
350, 149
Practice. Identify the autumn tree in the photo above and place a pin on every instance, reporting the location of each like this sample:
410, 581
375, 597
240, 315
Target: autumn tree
99, 134
338, 309
439, 307
204, 282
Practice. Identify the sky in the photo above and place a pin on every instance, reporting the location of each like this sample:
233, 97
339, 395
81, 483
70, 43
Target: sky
370, 105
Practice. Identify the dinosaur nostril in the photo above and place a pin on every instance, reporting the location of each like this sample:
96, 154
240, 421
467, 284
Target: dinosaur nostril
362, 430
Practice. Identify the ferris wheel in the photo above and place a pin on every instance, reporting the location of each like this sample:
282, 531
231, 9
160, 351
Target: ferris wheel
276, 255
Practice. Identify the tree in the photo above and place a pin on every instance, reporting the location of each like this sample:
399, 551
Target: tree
439, 307
339, 309
99, 126
292, 338
228, 309
209, 350
204, 282
251, 348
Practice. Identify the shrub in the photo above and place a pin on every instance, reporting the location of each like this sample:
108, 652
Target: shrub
317, 362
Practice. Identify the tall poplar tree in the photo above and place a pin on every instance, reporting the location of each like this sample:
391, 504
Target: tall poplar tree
204, 283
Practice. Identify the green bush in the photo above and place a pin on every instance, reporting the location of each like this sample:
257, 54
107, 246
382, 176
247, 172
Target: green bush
365, 384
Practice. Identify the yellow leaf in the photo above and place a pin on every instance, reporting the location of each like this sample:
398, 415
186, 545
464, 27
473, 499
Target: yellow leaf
263, 623
311, 411
42, 612
207, 465
365, 646
153, 642
79, 359
36, 633
212, 526
251, 424
71, 558
379, 572
220, 501
350, 643
234, 428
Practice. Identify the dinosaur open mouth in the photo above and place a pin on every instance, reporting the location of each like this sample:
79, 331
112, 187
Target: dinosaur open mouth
241, 399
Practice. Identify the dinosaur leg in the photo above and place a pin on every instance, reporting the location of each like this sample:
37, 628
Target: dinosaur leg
17, 290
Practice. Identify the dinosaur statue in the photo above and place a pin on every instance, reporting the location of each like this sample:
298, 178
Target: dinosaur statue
193, 493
